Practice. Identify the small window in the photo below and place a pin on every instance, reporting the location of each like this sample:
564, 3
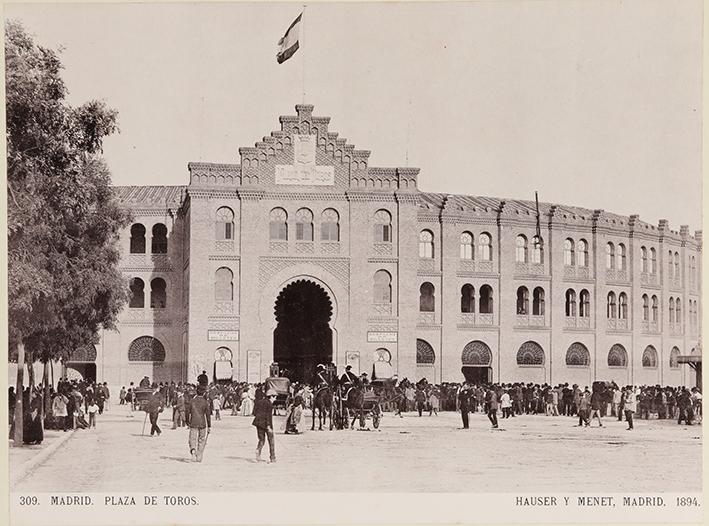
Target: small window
485, 247
611, 312
537, 250
467, 298
304, 225
653, 261
485, 302
382, 287
646, 308
610, 256
622, 306
643, 260
569, 253
584, 304
137, 239
427, 299
678, 275
278, 225
224, 224
330, 225
137, 294
159, 239
538, 302
224, 285
622, 263
426, 244
570, 305
382, 227
466, 245
158, 295
678, 311
582, 253
672, 310
670, 265
522, 301
521, 249
654, 309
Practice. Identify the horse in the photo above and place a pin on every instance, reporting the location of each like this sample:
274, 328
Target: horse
352, 406
323, 403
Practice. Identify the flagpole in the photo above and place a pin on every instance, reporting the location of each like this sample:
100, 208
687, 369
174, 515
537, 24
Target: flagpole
303, 50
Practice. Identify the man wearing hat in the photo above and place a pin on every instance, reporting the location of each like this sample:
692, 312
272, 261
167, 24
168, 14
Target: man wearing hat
200, 424
321, 376
263, 420
348, 379
203, 379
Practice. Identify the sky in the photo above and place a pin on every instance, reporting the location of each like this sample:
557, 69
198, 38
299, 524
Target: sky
591, 103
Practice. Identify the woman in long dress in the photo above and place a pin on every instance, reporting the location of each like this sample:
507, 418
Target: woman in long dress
247, 401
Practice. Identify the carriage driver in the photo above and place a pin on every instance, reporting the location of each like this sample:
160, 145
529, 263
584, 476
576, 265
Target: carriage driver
321, 377
348, 379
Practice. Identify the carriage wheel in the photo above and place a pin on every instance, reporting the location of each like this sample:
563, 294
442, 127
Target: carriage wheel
375, 420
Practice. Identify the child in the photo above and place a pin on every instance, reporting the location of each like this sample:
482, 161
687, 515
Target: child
217, 406
92, 410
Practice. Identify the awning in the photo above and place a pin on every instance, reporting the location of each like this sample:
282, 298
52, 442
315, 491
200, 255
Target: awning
223, 370
383, 370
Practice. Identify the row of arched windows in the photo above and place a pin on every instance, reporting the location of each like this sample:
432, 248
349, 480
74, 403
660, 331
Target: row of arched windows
648, 264
675, 310
693, 314
692, 270
576, 253
427, 298
158, 294
467, 246
158, 242
584, 304
617, 310
650, 303
537, 301
616, 257
673, 268
304, 228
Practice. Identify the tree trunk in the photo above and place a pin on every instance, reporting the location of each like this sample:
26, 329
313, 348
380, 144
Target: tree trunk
19, 389
51, 366
30, 370
45, 391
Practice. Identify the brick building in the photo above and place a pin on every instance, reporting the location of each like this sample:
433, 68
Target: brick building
303, 253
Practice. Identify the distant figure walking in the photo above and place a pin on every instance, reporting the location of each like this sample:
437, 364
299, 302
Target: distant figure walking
263, 421
200, 424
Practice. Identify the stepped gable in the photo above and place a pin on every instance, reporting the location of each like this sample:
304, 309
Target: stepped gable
338, 163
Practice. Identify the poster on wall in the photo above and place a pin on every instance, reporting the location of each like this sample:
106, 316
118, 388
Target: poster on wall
253, 367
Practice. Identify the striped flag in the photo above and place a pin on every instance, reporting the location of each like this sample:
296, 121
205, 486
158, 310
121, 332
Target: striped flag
289, 43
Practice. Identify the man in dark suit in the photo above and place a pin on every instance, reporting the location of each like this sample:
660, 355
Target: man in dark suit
200, 424
464, 404
203, 379
263, 421
155, 405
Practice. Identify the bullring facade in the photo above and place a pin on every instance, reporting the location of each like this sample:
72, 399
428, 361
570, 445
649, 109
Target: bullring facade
303, 253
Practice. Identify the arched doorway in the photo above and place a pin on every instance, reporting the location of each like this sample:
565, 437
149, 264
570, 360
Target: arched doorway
477, 363
303, 337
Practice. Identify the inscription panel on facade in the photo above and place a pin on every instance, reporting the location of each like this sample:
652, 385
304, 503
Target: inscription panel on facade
304, 171
382, 337
223, 336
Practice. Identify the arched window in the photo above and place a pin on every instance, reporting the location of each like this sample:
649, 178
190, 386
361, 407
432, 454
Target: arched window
159, 239
674, 358
158, 296
485, 304
617, 356
537, 250
570, 305
304, 225
426, 244
569, 254
137, 294
650, 357
646, 308
654, 309
224, 285
382, 355
223, 354
427, 298
622, 264
382, 287
466, 245
584, 304
670, 265
610, 256
382, 227
578, 355
582, 253
476, 353
678, 310
467, 298
224, 224
278, 225
622, 306
485, 247
137, 239
693, 268
653, 261
538, 302
146, 349
672, 310
643, 260
678, 275
330, 225
521, 249
522, 300
611, 312
530, 353
424, 352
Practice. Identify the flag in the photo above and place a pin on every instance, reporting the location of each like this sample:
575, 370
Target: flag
290, 41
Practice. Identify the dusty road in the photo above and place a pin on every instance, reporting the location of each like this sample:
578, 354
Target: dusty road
411, 454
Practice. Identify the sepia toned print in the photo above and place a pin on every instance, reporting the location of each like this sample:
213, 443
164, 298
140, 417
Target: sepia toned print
288, 312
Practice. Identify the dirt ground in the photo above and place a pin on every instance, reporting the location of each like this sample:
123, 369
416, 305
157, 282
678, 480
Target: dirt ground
429, 454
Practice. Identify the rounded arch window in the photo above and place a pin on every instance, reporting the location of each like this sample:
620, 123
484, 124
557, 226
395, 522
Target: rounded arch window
223, 354
584, 304
617, 356
224, 223
146, 349
304, 225
485, 246
137, 294
224, 284
382, 355
621, 257
578, 355
477, 353
538, 302
424, 352
137, 239
426, 244
330, 225
427, 300
674, 358
278, 224
158, 293
522, 301
650, 357
85, 353
382, 227
382, 287
158, 244
582, 253
569, 252
467, 298
530, 353
537, 250
610, 256
486, 300
466, 246
521, 252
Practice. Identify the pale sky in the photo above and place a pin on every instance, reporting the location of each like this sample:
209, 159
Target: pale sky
592, 103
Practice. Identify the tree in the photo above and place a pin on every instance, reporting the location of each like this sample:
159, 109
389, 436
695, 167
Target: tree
63, 219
